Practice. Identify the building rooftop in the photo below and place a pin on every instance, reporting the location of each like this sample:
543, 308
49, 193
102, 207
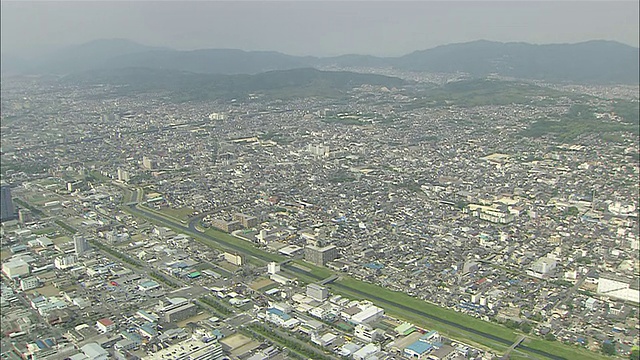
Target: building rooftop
419, 347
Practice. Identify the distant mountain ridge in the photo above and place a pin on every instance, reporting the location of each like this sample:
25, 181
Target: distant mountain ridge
211, 61
598, 61
196, 86
592, 61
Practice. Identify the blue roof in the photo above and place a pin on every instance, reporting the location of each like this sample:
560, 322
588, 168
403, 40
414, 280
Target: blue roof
374, 266
419, 347
430, 334
149, 283
279, 313
275, 311
18, 248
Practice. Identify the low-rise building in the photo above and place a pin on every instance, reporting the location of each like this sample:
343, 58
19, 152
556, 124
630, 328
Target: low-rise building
190, 350
366, 351
29, 283
15, 268
619, 287
105, 325
182, 312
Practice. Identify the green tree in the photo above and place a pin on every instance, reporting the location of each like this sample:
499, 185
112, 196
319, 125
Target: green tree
525, 327
550, 337
572, 211
635, 354
608, 348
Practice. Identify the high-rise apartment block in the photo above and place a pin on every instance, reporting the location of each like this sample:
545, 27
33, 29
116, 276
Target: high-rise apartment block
7, 211
80, 244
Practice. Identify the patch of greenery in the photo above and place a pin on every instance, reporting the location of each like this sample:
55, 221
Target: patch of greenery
389, 296
482, 92
163, 279
562, 350
33, 210
609, 348
629, 111
26, 167
116, 254
243, 245
297, 346
342, 121
217, 305
65, 226
579, 120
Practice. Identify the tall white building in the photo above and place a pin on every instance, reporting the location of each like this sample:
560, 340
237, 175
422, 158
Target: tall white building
216, 116
123, 175
147, 163
273, 268
64, 262
317, 292
318, 150
80, 245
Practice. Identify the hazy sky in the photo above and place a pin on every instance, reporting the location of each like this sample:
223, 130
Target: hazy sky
313, 28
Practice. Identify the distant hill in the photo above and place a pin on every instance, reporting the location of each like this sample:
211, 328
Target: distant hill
211, 61
353, 60
193, 86
13, 65
92, 55
600, 62
592, 61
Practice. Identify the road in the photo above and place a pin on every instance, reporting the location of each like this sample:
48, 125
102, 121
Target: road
575, 287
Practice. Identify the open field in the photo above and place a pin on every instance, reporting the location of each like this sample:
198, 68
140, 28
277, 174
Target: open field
48, 290
246, 246
560, 349
61, 240
181, 214
228, 266
261, 283
44, 231
235, 341
194, 319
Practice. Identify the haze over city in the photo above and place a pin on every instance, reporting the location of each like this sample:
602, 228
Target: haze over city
320, 28
387, 181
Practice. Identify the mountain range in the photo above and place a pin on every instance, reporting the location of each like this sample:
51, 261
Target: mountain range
598, 61
185, 86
